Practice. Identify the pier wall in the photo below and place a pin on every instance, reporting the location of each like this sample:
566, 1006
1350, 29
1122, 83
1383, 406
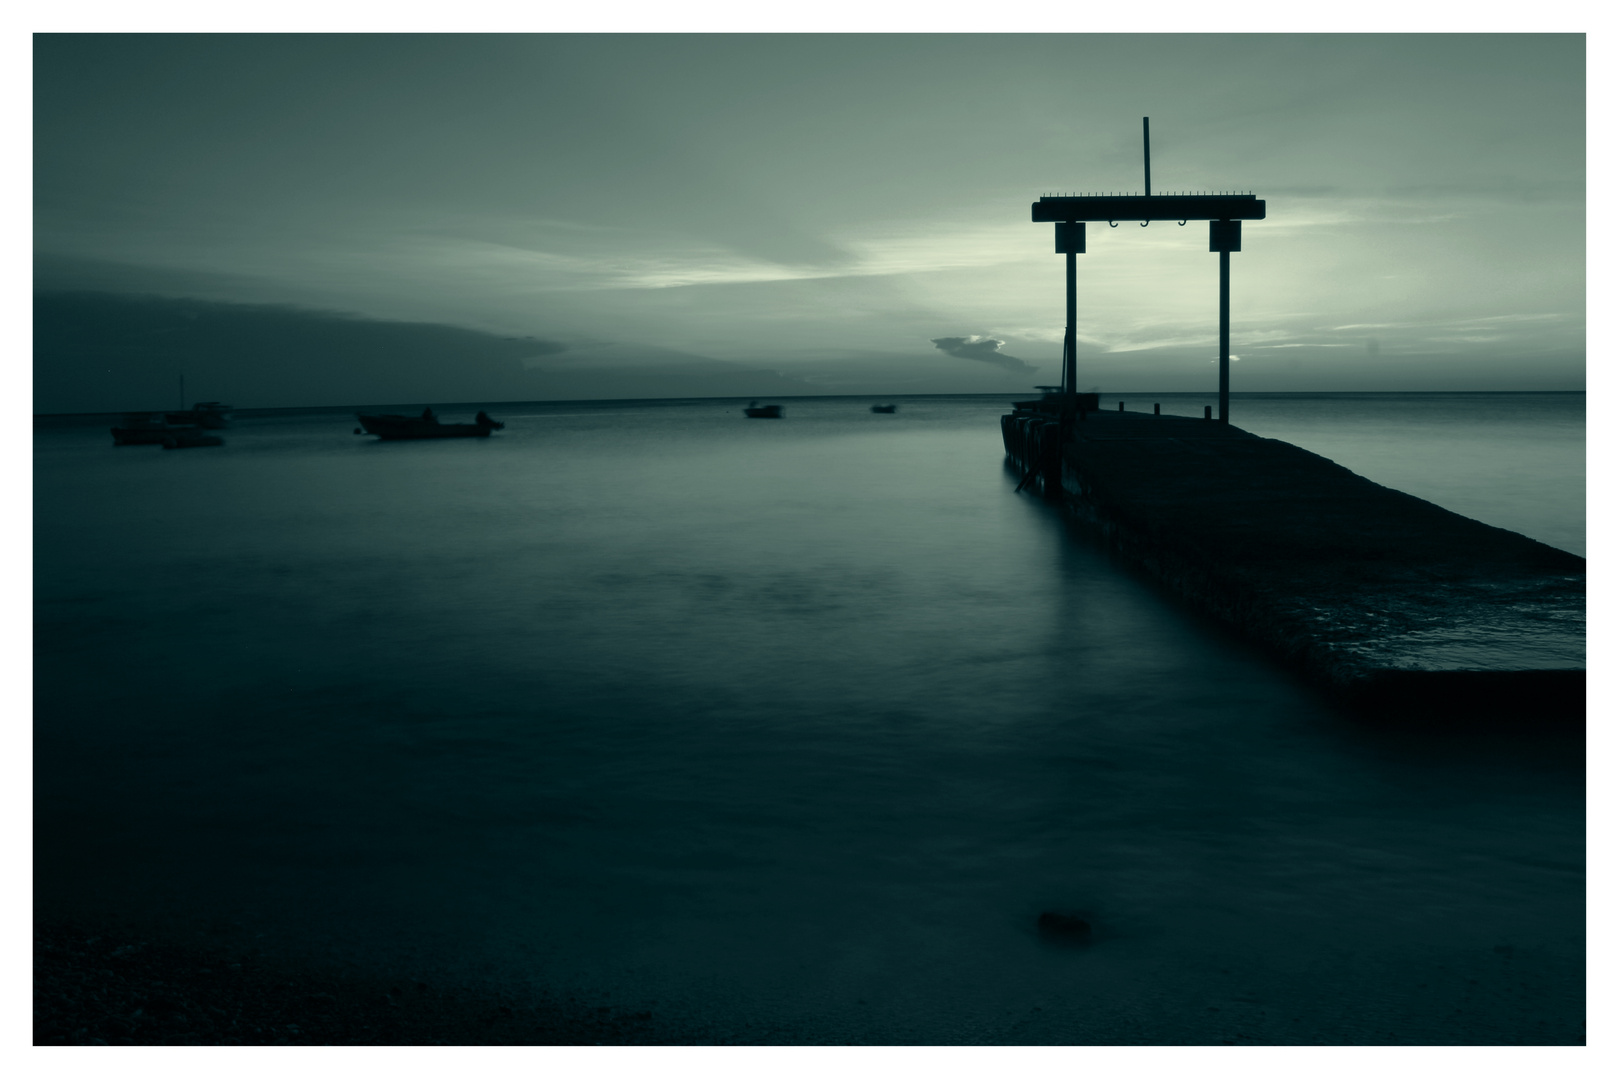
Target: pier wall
1387, 601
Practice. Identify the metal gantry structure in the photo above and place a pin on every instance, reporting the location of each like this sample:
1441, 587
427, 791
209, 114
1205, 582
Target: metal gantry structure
1226, 212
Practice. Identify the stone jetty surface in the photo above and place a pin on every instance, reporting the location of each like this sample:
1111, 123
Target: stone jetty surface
1389, 600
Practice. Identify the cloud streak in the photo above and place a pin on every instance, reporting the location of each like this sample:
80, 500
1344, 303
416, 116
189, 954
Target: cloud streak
551, 259
986, 350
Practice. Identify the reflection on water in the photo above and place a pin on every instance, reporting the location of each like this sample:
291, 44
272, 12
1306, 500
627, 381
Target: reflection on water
796, 725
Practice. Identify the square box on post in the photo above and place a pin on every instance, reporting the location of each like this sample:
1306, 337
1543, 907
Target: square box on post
1071, 237
1226, 236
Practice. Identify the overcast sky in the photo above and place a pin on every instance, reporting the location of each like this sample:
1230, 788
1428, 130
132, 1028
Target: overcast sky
847, 211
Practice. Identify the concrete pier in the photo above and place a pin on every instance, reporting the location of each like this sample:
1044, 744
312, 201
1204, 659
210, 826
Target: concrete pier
1393, 603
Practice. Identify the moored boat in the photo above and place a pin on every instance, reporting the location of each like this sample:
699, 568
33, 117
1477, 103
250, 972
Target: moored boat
147, 429
392, 426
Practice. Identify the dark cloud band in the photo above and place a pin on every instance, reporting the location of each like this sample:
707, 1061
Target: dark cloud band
984, 349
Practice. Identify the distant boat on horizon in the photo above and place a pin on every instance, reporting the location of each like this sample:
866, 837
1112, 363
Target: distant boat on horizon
757, 411
884, 408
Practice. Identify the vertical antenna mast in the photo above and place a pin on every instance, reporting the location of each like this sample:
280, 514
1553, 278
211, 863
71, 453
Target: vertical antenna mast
1147, 171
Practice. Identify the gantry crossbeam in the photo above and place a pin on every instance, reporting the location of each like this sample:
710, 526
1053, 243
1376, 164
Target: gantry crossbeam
1148, 208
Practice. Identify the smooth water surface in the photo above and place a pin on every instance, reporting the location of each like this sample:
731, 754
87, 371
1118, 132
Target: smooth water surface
785, 730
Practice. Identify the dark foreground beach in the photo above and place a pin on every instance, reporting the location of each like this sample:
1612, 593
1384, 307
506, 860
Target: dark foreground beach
107, 982
114, 983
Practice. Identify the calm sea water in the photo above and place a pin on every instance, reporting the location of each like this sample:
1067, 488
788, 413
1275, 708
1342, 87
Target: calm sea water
786, 731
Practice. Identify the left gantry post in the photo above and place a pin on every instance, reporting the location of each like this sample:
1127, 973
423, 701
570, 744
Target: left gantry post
1070, 241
